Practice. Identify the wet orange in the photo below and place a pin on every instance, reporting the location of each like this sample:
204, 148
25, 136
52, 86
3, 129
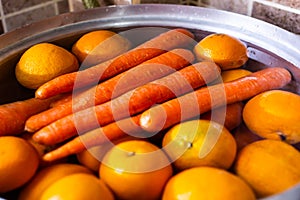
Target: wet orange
19, 162
92, 157
97, 46
207, 183
43, 62
199, 143
274, 115
269, 166
225, 50
78, 186
48, 175
136, 169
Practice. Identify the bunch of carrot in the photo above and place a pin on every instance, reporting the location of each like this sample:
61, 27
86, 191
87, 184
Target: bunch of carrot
160, 71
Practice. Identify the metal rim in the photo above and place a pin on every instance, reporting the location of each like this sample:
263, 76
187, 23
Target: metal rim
265, 35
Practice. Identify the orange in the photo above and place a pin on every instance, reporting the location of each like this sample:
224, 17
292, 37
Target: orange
136, 169
199, 143
97, 46
207, 183
19, 162
78, 186
48, 175
92, 157
269, 166
225, 50
43, 62
274, 115
233, 74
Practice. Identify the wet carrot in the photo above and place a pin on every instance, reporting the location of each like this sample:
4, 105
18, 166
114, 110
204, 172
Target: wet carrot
229, 115
130, 103
64, 98
150, 70
13, 115
91, 76
202, 100
110, 132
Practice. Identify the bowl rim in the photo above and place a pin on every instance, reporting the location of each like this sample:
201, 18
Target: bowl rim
273, 38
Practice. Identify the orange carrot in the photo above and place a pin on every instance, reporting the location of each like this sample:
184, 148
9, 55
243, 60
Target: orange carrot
202, 100
230, 115
110, 132
13, 115
152, 69
166, 41
130, 103
61, 100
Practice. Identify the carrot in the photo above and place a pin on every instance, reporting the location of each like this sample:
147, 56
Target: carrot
152, 69
166, 41
110, 132
202, 100
230, 115
64, 98
13, 115
130, 103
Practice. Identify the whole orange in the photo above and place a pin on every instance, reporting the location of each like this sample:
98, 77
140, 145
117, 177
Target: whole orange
225, 50
269, 166
274, 115
43, 62
48, 175
78, 186
207, 183
199, 143
136, 169
19, 162
97, 46
92, 157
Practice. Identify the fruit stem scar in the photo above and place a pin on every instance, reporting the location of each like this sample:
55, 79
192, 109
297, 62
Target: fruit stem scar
131, 153
282, 136
189, 145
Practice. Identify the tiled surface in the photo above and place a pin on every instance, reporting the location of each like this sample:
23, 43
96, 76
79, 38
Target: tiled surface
238, 6
17, 13
34, 15
283, 13
10, 6
280, 17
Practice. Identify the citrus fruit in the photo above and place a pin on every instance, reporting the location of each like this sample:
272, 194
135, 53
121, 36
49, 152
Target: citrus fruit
207, 183
78, 186
199, 143
48, 175
233, 74
43, 62
226, 51
269, 166
100, 45
19, 162
92, 157
274, 115
136, 169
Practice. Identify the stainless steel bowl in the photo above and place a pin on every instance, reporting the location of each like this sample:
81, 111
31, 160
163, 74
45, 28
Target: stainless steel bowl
268, 45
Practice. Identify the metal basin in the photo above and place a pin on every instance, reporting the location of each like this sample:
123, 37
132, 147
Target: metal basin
268, 45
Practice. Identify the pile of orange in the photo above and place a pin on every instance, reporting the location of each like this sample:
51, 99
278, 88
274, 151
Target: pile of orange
246, 152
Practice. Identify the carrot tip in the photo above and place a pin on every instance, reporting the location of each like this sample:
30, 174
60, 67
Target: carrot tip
48, 157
